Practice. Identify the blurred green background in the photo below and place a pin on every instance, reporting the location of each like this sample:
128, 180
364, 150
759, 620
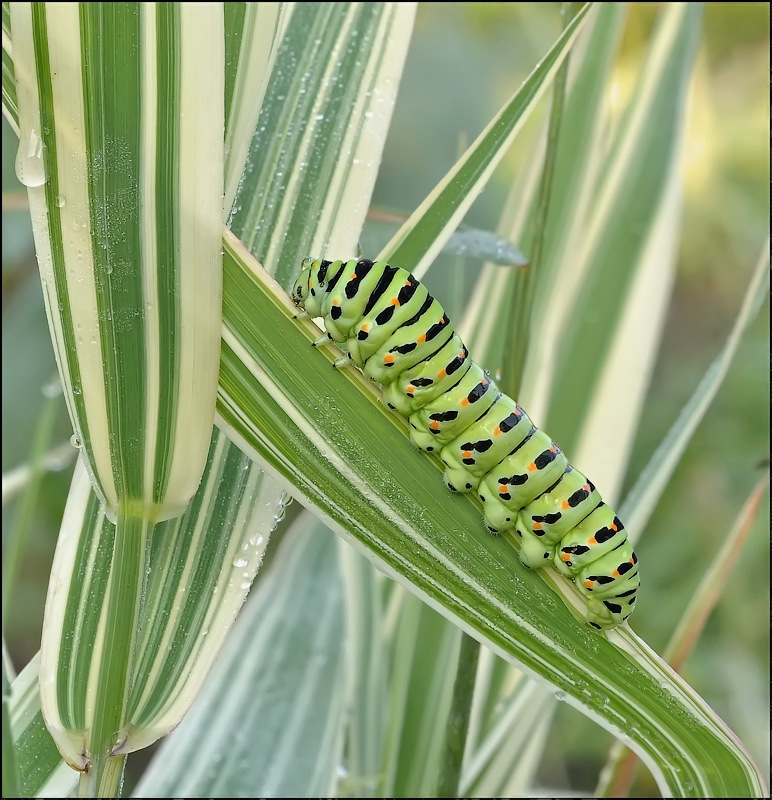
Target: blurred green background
464, 61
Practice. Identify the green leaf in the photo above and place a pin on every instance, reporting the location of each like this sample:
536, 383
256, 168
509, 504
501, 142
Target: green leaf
127, 231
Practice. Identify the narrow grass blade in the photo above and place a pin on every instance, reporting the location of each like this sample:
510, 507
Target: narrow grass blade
415, 246
642, 498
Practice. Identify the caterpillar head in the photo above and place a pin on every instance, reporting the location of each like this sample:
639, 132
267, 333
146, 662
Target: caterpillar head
302, 288
310, 285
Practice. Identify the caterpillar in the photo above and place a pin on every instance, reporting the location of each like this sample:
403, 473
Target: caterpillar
400, 336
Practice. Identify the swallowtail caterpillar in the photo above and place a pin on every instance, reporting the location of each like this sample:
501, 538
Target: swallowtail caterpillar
400, 336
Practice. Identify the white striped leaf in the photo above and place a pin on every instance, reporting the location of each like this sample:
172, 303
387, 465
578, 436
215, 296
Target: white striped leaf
200, 568
273, 409
388, 500
126, 203
42, 773
311, 169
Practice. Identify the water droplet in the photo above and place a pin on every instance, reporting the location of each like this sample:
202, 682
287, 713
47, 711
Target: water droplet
59, 201
75, 441
241, 562
53, 388
30, 168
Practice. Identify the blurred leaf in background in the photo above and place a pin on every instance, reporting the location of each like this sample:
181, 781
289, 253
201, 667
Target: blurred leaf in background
481, 50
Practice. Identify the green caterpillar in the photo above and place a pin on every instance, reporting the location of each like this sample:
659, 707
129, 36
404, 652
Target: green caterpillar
400, 336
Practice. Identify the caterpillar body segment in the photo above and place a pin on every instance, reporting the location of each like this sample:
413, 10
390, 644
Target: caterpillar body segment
429, 379
483, 445
522, 477
441, 420
400, 336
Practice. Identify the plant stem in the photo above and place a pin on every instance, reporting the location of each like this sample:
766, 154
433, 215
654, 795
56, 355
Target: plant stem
458, 718
121, 631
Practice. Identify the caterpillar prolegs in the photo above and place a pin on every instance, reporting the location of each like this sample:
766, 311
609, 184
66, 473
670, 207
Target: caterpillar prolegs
400, 336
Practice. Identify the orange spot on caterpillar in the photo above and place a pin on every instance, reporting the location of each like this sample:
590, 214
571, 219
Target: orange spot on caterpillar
365, 327
465, 401
614, 527
422, 338
497, 431
564, 505
441, 374
409, 391
503, 489
336, 302
565, 556
434, 425
466, 453
589, 584
532, 467
592, 540
388, 359
537, 526
395, 301
615, 573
